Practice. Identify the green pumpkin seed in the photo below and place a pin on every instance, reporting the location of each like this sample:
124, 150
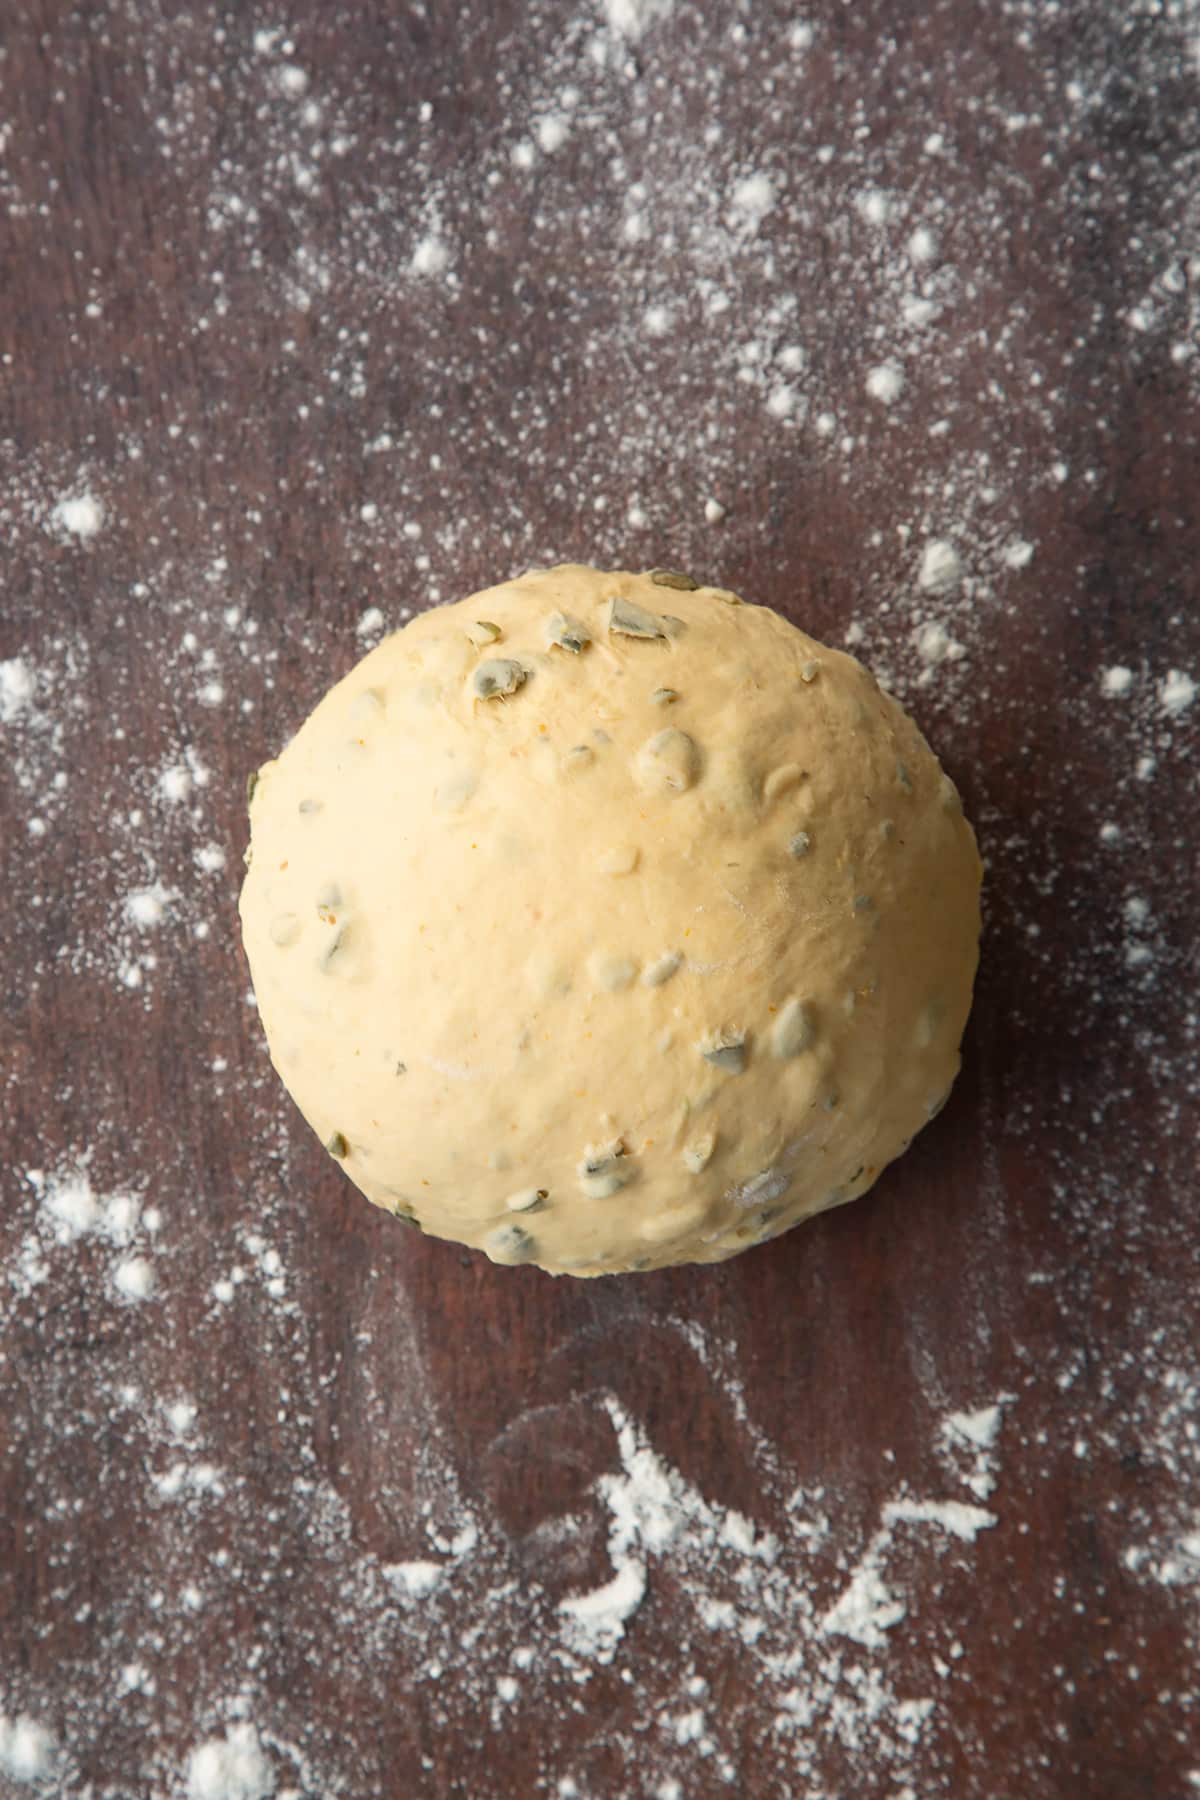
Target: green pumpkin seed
725, 1050
509, 1244
567, 632
499, 677
483, 632
673, 578
633, 621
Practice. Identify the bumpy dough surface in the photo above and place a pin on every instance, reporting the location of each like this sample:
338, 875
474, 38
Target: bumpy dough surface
603, 923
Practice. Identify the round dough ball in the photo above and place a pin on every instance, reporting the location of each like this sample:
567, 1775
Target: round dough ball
602, 921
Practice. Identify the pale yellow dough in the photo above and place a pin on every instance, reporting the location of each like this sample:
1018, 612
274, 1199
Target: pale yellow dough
604, 923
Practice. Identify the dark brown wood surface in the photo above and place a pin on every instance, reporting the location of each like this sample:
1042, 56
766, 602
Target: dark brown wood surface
332, 307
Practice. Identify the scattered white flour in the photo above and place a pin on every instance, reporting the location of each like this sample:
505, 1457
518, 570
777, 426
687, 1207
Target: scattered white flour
1116, 682
940, 568
134, 1278
885, 382
630, 18
1176, 692
867, 1609
234, 1767
874, 206
597, 1619
147, 907
935, 644
27, 1750
80, 515
416, 1579
17, 689
751, 199
431, 255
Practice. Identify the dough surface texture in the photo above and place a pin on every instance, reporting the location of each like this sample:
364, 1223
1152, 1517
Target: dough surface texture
604, 922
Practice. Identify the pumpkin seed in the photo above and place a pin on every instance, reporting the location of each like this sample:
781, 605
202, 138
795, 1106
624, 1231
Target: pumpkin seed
661, 969
799, 844
337, 942
509, 1244
673, 578
493, 680
338, 1145
528, 1200
793, 1029
725, 1050
664, 697
782, 780
668, 763
310, 806
613, 973
482, 632
698, 1154
284, 929
618, 859
567, 632
605, 1170
251, 785
634, 621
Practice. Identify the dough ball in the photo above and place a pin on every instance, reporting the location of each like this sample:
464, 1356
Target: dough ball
603, 921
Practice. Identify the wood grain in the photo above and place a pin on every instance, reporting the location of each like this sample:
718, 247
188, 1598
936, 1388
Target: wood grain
211, 322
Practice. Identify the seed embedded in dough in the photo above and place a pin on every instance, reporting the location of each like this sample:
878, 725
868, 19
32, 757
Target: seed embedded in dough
793, 1029
664, 696
782, 780
673, 578
698, 1154
498, 677
285, 929
509, 1244
612, 973
799, 844
809, 671
366, 711
678, 1222
338, 1145
618, 859
726, 1050
661, 969
668, 763
567, 633
483, 632
634, 621
528, 1200
605, 1170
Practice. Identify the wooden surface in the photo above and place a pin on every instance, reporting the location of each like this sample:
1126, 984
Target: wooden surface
419, 275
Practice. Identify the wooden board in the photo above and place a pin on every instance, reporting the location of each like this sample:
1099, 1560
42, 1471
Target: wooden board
317, 315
